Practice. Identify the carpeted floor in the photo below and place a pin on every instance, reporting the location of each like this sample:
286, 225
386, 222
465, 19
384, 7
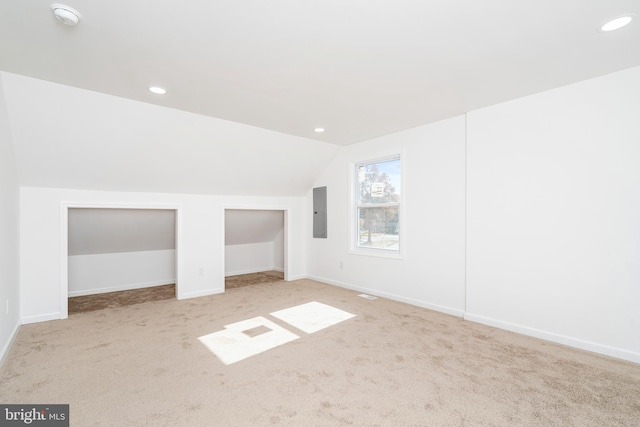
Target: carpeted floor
85, 303
232, 282
392, 364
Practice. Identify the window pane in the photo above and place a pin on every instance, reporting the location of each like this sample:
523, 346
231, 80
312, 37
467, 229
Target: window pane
379, 182
378, 227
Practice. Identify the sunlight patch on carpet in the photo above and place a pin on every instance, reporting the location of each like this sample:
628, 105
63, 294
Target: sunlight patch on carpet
371, 297
239, 340
312, 317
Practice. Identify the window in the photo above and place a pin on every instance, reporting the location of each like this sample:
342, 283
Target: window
377, 206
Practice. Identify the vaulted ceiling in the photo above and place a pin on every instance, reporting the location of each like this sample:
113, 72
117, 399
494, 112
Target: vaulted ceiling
360, 68
66, 137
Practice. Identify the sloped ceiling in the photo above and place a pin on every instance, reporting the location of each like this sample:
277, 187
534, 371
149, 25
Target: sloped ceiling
73, 138
252, 226
361, 68
102, 231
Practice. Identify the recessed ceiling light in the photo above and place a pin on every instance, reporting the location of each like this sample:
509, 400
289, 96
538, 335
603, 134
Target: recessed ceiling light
157, 90
65, 14
318, 130
616, 23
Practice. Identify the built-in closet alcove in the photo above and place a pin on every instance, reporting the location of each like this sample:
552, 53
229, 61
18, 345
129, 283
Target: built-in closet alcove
118, 249
254, 241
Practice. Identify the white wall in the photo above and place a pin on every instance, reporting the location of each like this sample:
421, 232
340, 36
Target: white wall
554, 215
9, 277
432, 271
66, 137
255, 257
117, 249
118, 271
552, 194
248, 258
254, 241
200, 270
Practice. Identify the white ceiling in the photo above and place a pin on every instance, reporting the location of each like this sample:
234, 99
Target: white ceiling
67, 137
359, 68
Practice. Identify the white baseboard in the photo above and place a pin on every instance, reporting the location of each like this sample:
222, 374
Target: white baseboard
197, 294
121, 288
412, 301
9, 343
41, 318
297, 277
557, 338
280, 269
549, 336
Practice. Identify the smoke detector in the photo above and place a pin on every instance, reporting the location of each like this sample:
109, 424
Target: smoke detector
65, 14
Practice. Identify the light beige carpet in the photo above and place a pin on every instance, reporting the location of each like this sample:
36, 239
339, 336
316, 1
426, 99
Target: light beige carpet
238, 281
391, 365
85, 303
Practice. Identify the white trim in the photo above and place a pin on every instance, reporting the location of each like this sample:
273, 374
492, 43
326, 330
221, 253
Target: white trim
415, 302
42, 318
466, 208
9, 343
126, 287
618, 353
286, 225
179, 251
188, 295
64, 261
353, 248
64, 247
285, 246
557, 338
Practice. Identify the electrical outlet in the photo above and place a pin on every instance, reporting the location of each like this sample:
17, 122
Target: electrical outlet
341, 265
201, 271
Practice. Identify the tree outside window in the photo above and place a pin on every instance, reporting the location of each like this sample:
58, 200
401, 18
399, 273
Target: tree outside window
378, 204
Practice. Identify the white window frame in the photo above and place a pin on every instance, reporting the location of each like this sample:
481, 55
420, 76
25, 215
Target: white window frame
354, 203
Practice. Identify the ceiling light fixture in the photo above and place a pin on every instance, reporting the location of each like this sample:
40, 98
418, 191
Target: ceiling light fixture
65, 14
157, 90
318, 130
616, 23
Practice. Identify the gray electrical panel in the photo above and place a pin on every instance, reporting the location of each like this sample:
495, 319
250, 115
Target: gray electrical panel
320, 212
